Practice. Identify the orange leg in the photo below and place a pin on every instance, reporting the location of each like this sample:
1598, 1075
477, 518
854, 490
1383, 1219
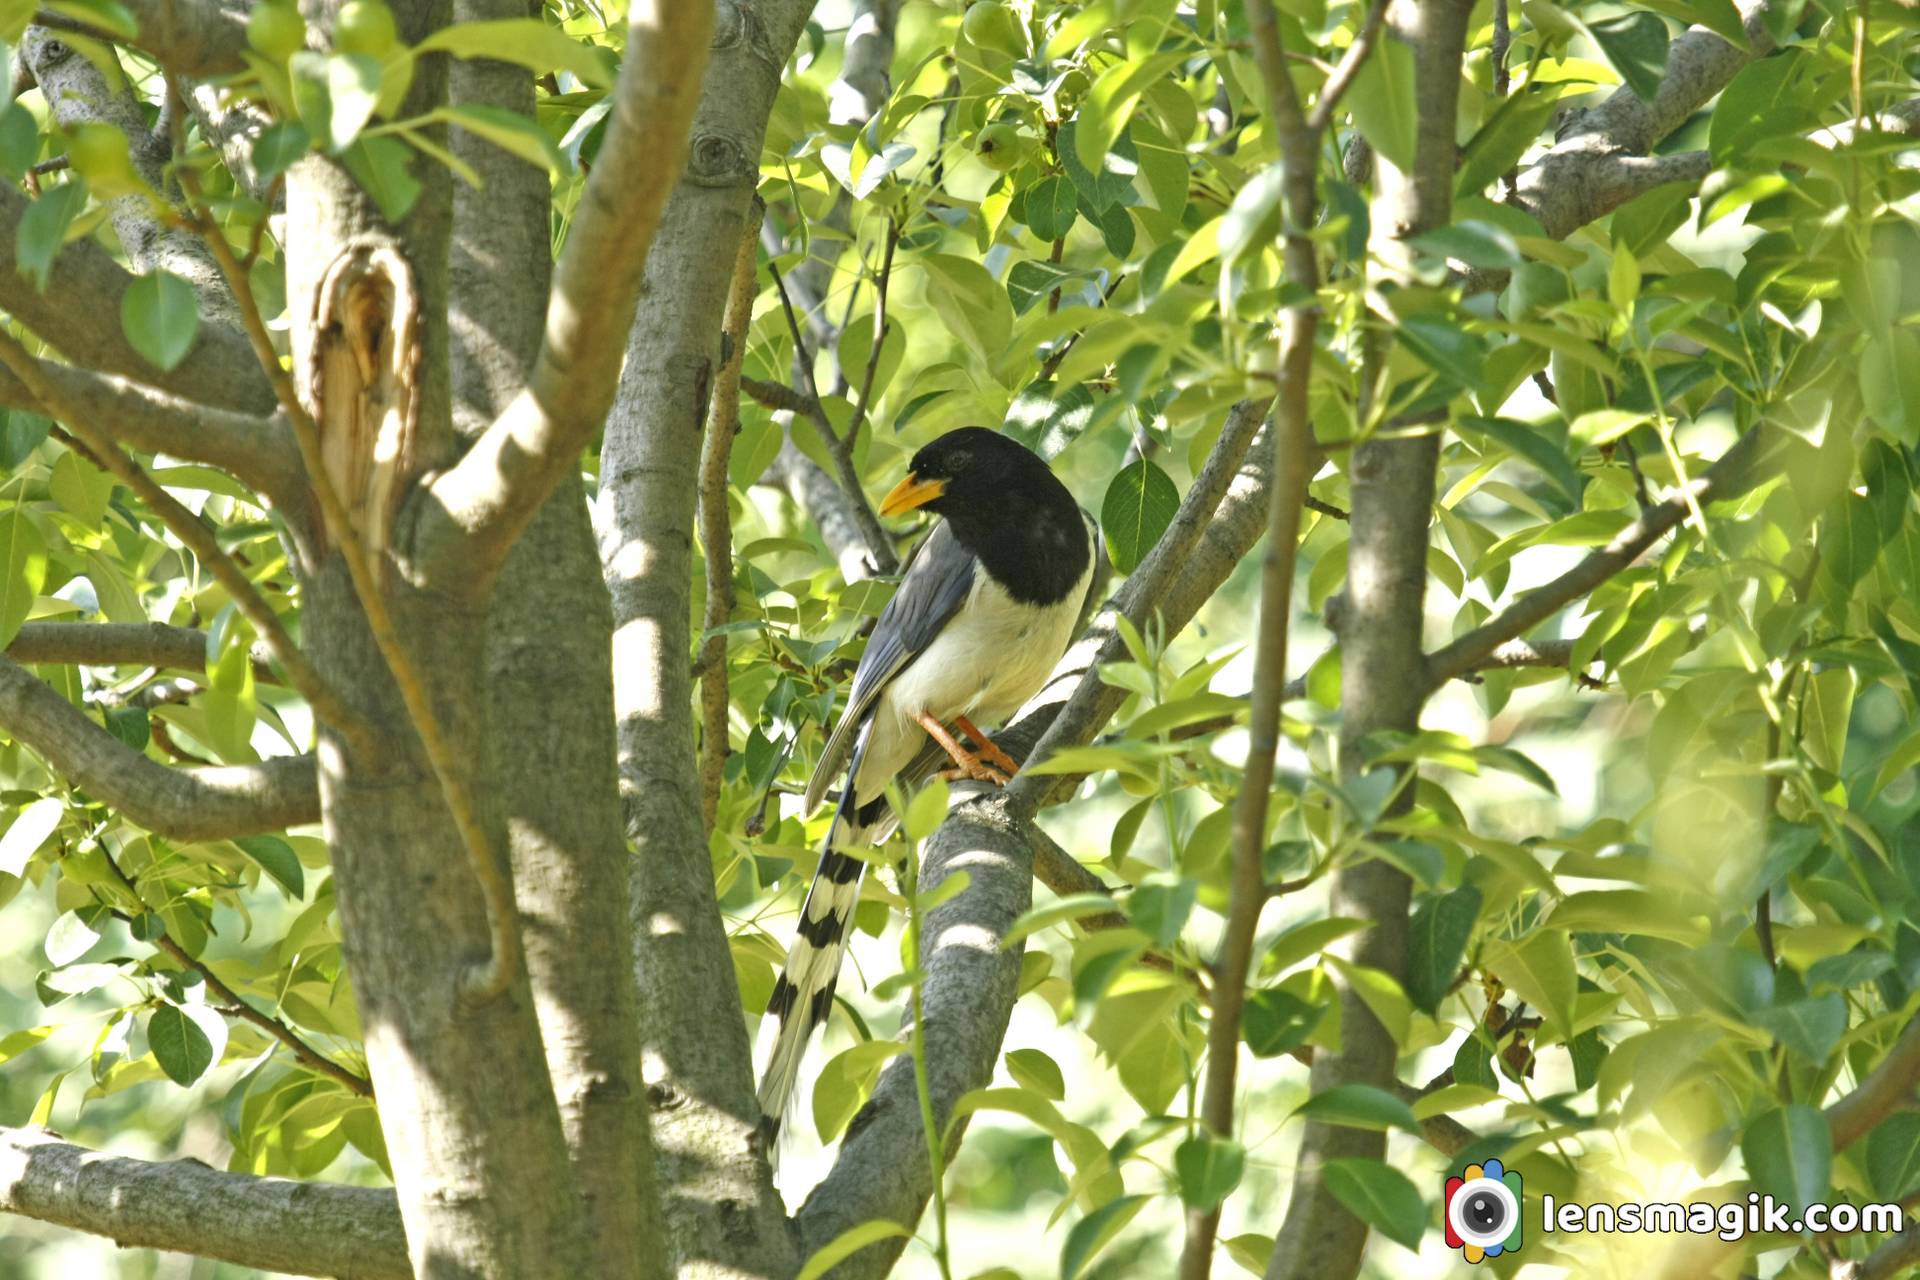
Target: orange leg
967, 764
989, 752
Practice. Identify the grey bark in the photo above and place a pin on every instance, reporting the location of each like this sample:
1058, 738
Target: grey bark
1383, 681
549, 665
212, 803
218, 370
468, 1110
723, 1215
78, 92
275, 1224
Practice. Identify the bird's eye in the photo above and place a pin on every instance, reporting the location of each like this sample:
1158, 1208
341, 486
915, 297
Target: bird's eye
959, 460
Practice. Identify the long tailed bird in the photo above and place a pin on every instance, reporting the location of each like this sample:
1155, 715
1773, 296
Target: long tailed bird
985, 610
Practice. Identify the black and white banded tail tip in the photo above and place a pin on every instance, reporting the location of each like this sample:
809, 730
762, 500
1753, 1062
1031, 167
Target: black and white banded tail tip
803, 994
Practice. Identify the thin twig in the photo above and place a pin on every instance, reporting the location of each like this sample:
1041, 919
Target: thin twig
1348, 69
716, 525
778, 395
493, 977
1294, 464
879, 546
880, 324
196, 536
305, 1053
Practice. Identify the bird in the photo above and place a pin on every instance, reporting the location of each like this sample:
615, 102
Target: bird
985, 609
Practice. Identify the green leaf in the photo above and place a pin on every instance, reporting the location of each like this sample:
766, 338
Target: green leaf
1052, 206
383, 168
1379, 992
1047, 418
179, 1045
69, 939
1808, 1028
1789, 1154
1359, 1106
1254, 219
1385, 107
845, 1081
848, 1242
278, 147
1092, 1233
512, 133
1436, 941
1540, 968
12, 1046
525, 42
1760, 102
19, 139
1140, 504
28, 831
1893, 1155
1159, 907
1277, 1021
1306, 940
1478, 244
1046, 914
1499, 143
1031, 280
43, 229
1033, 1069
353, 94
277, 858
15, 16
1207, 1169
1381, 1196
160, 314
23, 570
1636, 45
1455, 354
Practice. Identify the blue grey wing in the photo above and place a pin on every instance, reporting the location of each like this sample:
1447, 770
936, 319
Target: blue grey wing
936, 584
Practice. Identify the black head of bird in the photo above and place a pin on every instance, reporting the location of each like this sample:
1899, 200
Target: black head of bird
1005, 506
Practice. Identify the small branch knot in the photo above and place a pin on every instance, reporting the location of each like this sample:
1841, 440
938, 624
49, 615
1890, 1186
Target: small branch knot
716, 160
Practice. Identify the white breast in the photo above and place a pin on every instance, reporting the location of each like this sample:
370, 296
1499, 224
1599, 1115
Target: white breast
994, 655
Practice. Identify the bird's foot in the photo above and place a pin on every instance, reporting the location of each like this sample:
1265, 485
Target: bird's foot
975, 770
967, 765
989, 750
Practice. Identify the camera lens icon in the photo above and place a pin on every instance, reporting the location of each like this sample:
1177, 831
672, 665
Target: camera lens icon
1483, 1211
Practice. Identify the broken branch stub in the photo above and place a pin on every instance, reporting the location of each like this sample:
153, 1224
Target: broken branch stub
364, 371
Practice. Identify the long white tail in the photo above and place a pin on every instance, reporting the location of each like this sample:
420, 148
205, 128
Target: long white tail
803, 995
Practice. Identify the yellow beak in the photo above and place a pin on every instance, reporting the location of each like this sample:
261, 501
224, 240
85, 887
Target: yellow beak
910, 493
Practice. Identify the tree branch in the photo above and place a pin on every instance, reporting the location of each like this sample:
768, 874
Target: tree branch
196, 38
274, 1224
79, 92
218, 369
1600, 160
1739, 468
716, 521
1887, 1088
493, 491
721, 1205
1392, 507
258, 451
122, 644
212, 803
1293, 466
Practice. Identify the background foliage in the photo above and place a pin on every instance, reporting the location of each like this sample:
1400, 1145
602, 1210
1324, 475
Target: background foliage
1065, 218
